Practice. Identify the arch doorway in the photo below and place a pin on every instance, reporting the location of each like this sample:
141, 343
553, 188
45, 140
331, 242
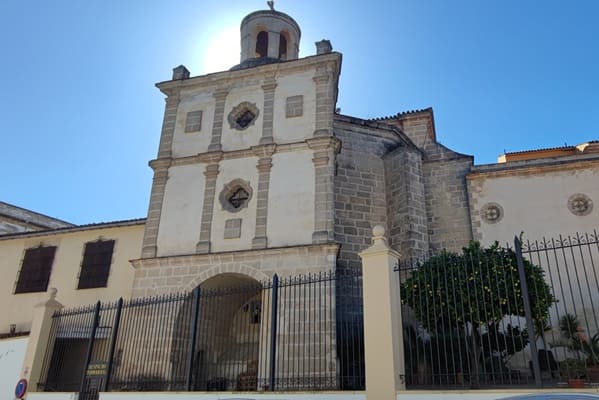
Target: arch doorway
228, 332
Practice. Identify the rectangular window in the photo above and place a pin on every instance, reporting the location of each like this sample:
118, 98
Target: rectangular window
233, 228
295, 106
193, 121
96, 264
35, 270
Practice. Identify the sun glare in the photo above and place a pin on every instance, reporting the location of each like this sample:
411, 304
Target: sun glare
222, 51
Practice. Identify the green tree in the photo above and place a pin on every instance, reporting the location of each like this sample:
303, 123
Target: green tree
472, 292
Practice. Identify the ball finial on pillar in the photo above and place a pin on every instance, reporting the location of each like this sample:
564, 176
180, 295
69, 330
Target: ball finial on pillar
52, 292
378, 230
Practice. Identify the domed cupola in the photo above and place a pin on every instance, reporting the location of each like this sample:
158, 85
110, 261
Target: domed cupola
268, 36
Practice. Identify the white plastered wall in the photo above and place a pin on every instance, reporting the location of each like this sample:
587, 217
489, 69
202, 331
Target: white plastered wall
233, 139
192, 143
181, 217
538, 204
288, 130
229, 170
18, 308
291, 199
12, 354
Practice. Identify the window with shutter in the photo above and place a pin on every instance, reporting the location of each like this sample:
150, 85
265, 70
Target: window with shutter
35, 270
96, 264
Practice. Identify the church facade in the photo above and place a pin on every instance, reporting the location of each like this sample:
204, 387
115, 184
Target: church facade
257, 174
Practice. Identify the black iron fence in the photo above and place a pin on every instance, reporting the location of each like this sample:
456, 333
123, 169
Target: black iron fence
284, 334
500, 316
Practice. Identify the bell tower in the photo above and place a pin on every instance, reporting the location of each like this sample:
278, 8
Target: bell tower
269, 36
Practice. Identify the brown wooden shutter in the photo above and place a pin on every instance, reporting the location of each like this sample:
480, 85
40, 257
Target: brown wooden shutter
95, 267
35, 270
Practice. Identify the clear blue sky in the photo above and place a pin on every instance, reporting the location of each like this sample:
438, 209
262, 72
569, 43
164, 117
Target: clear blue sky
81, 116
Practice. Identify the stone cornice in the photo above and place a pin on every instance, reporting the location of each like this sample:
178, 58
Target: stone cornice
210, 157
160, 163
382, 130
330, 248
220, 79
538, 166
265, 150
324, 143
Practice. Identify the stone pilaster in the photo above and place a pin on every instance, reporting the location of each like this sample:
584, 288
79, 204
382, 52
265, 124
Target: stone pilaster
325, 151
149, 246
219, 114
168, 126
268, 110
264, 166
325, 102
211, 173
273, 44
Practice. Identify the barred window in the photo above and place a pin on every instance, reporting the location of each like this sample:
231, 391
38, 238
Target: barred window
96, 264
243, 116
294, 106
193, 121
35, 270
235, 196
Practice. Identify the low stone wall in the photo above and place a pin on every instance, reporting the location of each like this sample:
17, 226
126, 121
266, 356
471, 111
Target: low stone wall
482, 394
404, 395
235, 396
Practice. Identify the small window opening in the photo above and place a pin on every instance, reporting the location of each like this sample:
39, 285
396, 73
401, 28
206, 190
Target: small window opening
282, 47
262, 44
239, 198
256, 307
255, 310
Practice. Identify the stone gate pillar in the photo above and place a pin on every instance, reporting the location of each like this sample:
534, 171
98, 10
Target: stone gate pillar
383, 336
37, 344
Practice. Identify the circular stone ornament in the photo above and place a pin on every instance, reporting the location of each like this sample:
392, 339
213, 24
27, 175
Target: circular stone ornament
243, 115
491, 213
580, 204
235, 195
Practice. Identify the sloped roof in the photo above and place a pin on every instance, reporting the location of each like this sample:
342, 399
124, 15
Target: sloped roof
401, 114
28, 217
548, 152
76, 228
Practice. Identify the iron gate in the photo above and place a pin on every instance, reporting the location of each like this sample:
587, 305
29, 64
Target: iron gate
283, 334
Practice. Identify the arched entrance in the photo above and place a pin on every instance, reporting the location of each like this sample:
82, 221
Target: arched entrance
227, 331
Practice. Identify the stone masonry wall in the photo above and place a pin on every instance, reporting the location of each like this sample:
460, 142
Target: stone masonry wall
444, 173
360, 199
418, 126
178, 274
407, 217
447, 203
